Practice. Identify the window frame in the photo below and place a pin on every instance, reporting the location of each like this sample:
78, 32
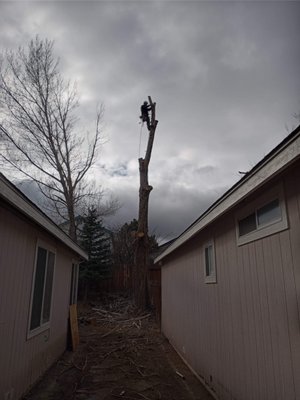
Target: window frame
212, 277
74, 282
267, 229
43, 326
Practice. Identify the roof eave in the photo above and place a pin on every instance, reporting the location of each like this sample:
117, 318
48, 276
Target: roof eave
287, 152
19, 201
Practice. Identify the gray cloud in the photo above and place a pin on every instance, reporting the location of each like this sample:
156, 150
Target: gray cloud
224, 76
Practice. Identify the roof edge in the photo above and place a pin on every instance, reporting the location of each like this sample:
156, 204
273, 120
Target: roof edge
10, 193
286, 152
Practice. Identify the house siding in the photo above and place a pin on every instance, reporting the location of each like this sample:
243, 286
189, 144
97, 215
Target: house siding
242, 334
23, 360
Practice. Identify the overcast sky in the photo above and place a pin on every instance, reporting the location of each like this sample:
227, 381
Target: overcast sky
224, 75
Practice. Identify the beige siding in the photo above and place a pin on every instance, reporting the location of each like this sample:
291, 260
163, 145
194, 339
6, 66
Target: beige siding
242, 334
23, 360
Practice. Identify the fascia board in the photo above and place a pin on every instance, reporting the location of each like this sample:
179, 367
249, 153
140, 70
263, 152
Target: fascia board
20, 203
280, 160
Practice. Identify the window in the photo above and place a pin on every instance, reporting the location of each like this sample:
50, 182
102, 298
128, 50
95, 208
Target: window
265, 216
209, 263
247, 225
269, 213
74, 284
42, 289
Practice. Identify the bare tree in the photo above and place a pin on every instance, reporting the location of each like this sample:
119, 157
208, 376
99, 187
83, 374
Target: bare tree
141, 258
38, 127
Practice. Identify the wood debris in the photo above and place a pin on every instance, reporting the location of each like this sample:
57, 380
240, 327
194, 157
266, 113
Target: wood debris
179, 374
121, 355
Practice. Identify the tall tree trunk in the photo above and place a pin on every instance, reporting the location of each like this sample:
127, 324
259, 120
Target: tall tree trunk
142, 247
72, 222
72, 226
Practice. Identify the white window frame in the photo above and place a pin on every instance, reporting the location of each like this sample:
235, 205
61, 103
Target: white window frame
278, 225
74, 282
212, 277
43, 326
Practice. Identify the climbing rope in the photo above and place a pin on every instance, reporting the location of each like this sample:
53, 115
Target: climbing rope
142, 124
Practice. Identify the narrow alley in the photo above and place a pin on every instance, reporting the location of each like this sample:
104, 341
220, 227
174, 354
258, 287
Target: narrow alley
121, 354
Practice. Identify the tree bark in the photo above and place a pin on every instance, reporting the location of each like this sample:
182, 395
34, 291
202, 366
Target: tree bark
72, 222
142, 245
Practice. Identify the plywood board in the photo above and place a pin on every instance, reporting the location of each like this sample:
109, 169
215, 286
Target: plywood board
74, 326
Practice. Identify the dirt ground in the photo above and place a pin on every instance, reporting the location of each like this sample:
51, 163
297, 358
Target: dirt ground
122, 355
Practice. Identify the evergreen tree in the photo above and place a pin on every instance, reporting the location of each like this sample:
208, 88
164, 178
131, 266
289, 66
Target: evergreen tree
96, 241
124, 242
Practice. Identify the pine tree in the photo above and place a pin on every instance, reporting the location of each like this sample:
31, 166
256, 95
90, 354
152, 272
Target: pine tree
124, 242
95, 240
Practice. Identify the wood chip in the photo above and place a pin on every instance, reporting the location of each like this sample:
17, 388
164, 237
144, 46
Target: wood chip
179, 374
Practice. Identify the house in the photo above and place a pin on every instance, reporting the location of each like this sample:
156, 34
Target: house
231, 284
38, 282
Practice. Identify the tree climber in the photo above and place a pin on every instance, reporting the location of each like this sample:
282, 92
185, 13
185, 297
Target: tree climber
145, 108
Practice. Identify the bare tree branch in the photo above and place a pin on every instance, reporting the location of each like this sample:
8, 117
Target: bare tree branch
38, 127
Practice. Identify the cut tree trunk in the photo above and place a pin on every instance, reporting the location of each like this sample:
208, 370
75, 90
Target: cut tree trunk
142, 240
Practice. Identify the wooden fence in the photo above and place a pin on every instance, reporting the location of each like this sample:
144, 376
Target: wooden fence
121, 280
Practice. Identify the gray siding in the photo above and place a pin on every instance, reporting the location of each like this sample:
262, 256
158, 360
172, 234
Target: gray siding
241, 335
23, 360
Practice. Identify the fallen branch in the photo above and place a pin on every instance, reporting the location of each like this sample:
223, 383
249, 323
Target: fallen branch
84, 365
135, 318
108, 333
179, 374
100, 310
137, 367
143, 396
112, 351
